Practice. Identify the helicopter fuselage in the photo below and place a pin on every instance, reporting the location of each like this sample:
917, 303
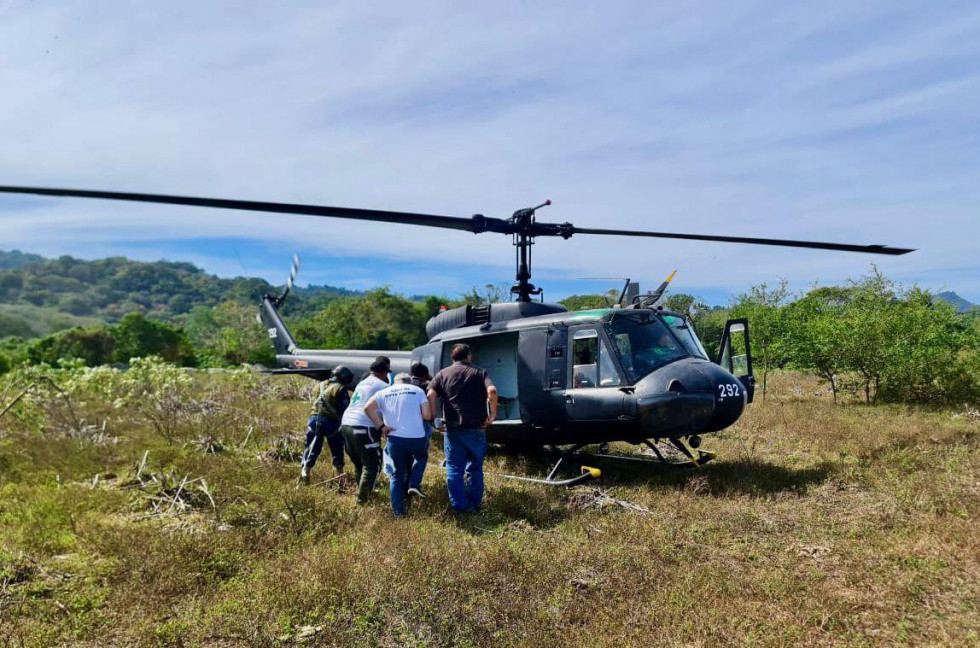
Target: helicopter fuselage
564, 377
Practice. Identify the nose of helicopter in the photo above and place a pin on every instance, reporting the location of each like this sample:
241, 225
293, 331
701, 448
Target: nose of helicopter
689, 395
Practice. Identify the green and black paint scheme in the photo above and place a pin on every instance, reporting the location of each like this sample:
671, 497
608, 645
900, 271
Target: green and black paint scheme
634, 373
646, 376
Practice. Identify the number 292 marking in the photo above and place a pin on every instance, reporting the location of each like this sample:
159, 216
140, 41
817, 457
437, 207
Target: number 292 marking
728, 390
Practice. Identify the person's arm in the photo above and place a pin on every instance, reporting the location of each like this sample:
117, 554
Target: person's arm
424, 406
374, 413
432, 396
491, 399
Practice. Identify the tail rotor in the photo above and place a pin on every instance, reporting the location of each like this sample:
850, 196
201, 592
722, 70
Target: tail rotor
293, 271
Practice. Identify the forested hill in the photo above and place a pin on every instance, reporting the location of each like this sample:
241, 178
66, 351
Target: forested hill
960, 304
38, 295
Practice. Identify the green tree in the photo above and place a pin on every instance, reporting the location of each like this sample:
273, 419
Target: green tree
710, 326
684, 304
94, 346
137, 337
762, 306
488, 294
378, 320
228, 334
890, 343
814, 326
585, 302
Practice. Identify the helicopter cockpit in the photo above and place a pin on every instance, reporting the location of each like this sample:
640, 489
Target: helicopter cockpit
639, 343
645, 344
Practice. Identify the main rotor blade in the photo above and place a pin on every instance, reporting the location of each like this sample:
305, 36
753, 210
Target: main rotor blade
843, 247
405, 218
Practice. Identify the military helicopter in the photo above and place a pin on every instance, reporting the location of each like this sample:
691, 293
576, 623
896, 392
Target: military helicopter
632, 372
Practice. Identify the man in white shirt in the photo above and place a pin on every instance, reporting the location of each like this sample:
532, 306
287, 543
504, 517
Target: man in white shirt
400, 411
362, 439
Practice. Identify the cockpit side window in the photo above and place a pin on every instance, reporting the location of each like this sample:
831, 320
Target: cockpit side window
592, 362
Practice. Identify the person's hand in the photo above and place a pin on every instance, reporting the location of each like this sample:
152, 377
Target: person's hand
489, 421
386, 430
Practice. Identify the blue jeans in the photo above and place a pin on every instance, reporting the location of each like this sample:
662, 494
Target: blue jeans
403, 453
318, 428
465, 449
418, 469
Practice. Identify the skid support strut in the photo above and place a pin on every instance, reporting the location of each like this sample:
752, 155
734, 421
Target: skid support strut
704, 456
588, 473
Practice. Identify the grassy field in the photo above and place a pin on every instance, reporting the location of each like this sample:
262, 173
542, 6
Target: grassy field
818, 525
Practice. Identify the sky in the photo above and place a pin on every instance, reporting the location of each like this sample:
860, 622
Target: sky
839, 121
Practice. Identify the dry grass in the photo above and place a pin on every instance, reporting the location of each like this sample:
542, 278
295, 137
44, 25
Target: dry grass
818, 525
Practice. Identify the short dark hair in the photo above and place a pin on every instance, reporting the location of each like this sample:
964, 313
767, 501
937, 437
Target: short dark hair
379, 366
419, 370
460, 352
384, 359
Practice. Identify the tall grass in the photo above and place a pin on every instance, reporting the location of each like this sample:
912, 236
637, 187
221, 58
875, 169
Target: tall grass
819, 524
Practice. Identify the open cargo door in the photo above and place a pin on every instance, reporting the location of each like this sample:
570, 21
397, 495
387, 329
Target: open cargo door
735, 354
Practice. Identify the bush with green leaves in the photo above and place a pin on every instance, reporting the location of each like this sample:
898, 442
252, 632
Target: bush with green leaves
158, 392
764, 306
229, 335
380, 319
872, 337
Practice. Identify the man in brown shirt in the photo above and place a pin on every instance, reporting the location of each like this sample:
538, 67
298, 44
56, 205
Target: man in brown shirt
469, 401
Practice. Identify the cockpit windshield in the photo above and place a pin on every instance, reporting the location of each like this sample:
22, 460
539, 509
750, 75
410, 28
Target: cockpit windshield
683, 330
644, 344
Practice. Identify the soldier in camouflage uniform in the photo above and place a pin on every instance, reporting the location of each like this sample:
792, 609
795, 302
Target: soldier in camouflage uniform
324, 422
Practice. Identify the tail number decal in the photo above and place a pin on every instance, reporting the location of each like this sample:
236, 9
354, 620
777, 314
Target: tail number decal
728, 390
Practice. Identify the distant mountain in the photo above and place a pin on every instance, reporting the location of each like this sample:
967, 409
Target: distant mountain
961, 305
17, 259
39, 295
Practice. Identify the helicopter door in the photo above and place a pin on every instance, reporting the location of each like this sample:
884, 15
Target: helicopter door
735, 354
594, 394
541, 373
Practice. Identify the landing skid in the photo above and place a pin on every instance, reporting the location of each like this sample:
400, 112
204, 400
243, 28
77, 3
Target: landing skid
589, 473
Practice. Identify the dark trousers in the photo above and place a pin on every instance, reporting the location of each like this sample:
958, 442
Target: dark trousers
319, 428
363, 446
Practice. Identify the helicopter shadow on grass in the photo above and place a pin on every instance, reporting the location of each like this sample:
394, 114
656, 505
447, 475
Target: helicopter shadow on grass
721, 477
507, 505
511, 507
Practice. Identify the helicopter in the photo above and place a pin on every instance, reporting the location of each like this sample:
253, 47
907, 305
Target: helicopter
633, 372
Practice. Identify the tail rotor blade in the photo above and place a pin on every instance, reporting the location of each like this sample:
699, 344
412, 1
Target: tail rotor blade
293, 271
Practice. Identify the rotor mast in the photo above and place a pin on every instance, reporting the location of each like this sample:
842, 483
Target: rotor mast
523, 239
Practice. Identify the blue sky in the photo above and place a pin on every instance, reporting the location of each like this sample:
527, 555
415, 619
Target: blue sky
842, 121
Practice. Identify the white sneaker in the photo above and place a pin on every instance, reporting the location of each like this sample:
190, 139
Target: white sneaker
416, 493
304, 474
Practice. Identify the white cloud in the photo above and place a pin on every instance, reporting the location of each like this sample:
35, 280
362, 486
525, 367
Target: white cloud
839, 121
